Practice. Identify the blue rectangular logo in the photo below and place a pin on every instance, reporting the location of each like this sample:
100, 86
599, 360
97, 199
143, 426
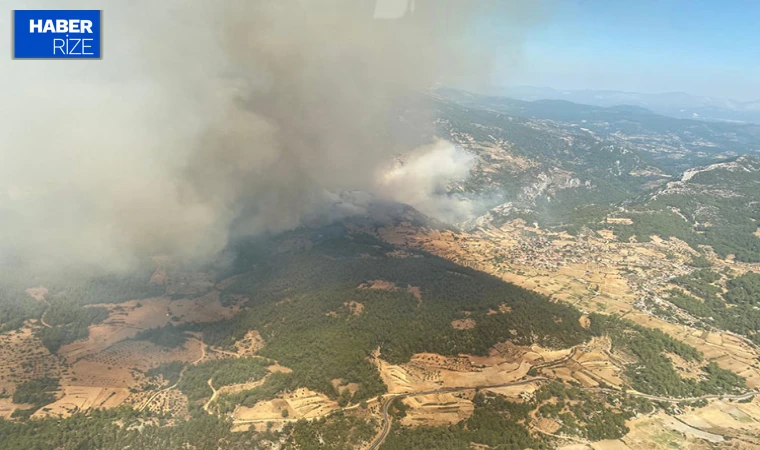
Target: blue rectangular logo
56, 33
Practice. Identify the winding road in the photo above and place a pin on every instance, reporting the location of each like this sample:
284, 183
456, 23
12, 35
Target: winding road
389, 399
201, 358
213, 397
656, 398
387, 402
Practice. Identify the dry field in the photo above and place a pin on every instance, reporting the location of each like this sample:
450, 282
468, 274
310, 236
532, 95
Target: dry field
593, 272
98, 372
23, 357
661, 431
723, 348
596, 274
740, 421
6, 408
171, 401
428, 371
592, 367
129, 318
300, 404
438, 409
82, 398
379, 284
145, 355
516, 393
718, 425
163, 263
118, 365
180, 283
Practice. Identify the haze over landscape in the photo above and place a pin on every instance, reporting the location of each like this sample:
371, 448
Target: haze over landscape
699, 47
342, 224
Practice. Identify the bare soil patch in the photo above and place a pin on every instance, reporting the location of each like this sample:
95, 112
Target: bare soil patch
37, 293
300, 404
378, 284
438, 409
739, 420
355, 308
6, 408
426, 371
610, 444
250, 344
339, 384
548, 425
619, 220
278, 368
463, 324
415, 290
90, 373
685, 369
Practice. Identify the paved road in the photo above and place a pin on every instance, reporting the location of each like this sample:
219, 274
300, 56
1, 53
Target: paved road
387, 402
678, 400
389, 399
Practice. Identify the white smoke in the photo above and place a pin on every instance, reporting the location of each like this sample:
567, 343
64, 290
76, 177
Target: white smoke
423, 180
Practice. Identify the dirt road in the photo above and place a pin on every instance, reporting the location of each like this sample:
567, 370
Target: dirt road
200, 358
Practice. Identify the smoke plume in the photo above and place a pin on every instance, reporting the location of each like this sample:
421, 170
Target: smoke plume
206, 120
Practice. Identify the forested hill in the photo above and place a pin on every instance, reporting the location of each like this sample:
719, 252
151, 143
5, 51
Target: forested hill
716, 205
323, 311
625, 120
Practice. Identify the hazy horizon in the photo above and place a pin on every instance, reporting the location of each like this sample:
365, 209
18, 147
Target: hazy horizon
622, 91
702, 48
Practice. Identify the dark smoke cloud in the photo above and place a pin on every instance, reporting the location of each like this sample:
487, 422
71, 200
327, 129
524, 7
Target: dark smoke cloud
206, 120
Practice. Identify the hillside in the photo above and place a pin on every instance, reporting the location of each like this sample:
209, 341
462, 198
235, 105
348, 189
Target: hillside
541, 162
715, 205
541, 168
336, 325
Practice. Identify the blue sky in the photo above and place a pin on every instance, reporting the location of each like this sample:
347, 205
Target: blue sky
701, 47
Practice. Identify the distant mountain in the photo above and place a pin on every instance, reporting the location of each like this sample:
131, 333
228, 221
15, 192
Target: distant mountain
678, 144
674, 104
541, 169
568, 165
